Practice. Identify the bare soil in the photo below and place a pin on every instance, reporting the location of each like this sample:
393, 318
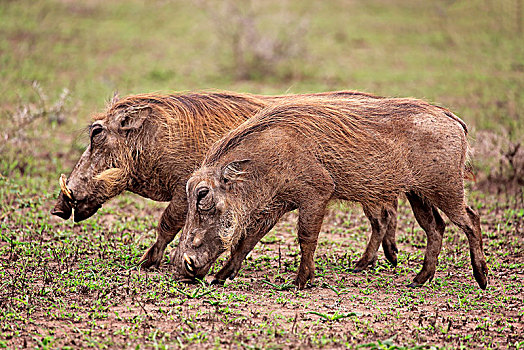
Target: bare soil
78, 293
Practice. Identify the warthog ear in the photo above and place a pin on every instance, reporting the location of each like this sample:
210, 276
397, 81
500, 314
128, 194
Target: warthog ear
115, 98
132, 118
235, 171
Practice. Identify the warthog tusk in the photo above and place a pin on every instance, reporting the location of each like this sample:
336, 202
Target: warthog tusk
63, 187
189, 263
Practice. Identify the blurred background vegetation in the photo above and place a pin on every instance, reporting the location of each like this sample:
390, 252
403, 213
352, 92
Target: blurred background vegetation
61, 60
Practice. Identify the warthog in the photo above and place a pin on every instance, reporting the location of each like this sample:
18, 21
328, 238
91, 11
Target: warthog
302, 154
149, 144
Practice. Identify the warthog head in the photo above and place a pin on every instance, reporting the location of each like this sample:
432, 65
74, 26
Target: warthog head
214, 222
103, 171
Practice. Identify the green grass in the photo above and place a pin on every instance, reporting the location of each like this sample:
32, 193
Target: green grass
65, 284
77, 285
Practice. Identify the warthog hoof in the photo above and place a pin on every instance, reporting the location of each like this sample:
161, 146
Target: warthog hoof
357, 269
415, 285
217, 282
480, 275
391, 254
363, 264
151, 258
303, 277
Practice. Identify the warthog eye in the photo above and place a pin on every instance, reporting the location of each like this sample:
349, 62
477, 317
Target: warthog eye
204, 202
96, 129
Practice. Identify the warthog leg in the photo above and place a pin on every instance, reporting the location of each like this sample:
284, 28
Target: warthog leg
171, 221
380, 219
454, 206
309, 224
389, 242
233, 264
311, 210
239, 253
469, 221
310, 217
430, 220
478, 260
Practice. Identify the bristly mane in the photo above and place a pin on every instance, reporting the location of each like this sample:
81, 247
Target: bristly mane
193, 113
337, 117
204, 116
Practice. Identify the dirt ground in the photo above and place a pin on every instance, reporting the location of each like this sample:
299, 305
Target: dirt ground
76, 285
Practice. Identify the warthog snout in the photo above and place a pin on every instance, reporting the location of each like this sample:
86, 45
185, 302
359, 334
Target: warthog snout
63, 208
194, 266
67, 201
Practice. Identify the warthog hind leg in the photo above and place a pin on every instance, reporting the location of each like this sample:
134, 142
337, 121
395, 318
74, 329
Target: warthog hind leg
381, 221
455, 207
469, 222
478, 260
389, 242
430, 220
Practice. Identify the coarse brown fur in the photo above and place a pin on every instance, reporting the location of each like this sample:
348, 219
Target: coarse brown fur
149, 144
303, 153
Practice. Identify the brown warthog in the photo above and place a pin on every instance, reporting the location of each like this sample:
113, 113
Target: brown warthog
303, 153
149, 144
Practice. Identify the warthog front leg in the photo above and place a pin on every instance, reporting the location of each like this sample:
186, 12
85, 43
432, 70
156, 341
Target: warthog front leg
310, 218
171, 221
233, 264
311, 211
239, 253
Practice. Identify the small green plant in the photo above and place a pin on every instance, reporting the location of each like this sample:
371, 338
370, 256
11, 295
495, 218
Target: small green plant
335, 316
389, 345
282, 286
196, 293
338, 292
